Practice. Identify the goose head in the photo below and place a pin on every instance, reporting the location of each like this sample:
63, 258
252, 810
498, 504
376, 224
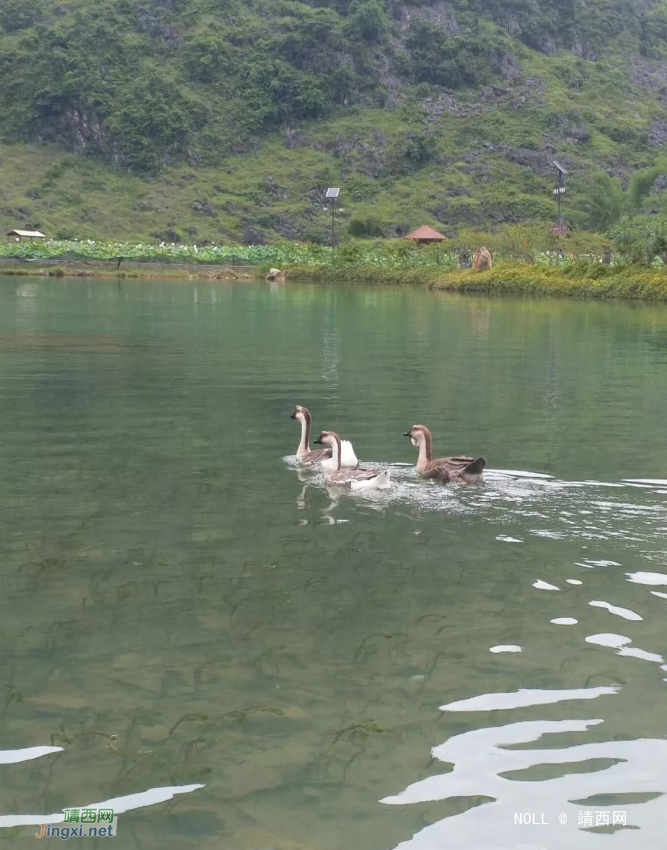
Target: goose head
327, 438
302, 414
419, 435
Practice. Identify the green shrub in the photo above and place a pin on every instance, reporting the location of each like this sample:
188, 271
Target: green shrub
367, 20
363, 226
640, 239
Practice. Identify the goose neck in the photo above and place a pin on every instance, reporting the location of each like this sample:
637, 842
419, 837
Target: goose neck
304, 443
336, 452
425, 451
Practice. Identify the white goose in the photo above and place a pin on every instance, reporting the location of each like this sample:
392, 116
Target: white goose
361, 478
307, 457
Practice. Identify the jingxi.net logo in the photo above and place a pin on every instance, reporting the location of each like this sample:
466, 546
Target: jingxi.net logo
82, 823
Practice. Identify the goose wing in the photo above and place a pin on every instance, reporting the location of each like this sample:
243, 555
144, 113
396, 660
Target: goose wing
368, 476
453, 468
345, 476
347, 456
314, 457
437, 469
466, 465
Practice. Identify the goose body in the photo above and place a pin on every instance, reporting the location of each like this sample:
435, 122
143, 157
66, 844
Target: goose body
359, 478
313, 457
459, 469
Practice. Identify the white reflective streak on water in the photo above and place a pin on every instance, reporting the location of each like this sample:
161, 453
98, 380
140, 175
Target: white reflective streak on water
480, 758
481, 761
26, 754
526, 697
126, 803
625, 613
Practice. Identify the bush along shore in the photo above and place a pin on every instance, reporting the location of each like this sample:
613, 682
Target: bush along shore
528, 260
521, 243
584, 279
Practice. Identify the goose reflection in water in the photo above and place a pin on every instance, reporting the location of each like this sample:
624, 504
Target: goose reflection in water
482, 762
301, 497
302, 504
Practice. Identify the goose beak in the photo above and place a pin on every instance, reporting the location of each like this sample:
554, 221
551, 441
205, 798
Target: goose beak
293, 416
407, 434
318, 441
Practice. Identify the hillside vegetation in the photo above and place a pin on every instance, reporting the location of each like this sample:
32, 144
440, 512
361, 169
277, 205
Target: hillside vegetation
225, 120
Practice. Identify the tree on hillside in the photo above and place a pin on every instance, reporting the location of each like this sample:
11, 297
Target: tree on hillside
367, 21
604, 201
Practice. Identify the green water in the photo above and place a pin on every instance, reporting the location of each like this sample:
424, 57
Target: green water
169, 577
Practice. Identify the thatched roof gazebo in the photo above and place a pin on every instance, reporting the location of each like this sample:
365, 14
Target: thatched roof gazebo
424, 235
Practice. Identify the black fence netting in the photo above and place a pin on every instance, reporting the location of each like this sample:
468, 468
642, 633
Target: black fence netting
72, 257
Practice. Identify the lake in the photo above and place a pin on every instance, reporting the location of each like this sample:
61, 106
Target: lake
232, 656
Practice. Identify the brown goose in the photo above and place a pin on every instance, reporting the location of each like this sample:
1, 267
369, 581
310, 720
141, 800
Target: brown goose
312, 457
361, 478
460, 470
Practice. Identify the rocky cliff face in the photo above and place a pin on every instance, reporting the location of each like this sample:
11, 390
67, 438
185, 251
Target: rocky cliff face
468, 101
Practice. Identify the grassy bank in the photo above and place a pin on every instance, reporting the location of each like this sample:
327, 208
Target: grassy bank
582, 280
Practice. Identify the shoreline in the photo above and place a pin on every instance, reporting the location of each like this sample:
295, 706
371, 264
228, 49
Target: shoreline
578, 281
582, 280
136, 271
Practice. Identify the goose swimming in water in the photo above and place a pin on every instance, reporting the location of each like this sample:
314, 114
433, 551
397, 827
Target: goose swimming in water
361, 478
460, 470
307, 457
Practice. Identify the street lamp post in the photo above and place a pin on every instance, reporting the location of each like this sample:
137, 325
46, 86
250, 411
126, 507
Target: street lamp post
332, 194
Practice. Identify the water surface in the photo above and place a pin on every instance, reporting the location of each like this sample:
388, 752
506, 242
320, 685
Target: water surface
187, 618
